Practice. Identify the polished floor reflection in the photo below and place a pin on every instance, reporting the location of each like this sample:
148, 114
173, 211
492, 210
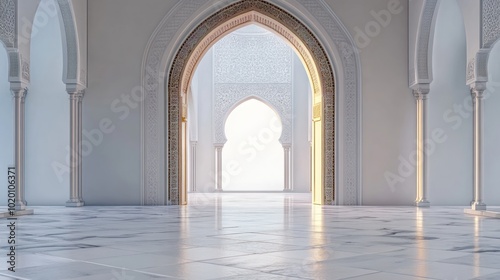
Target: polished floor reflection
253, 236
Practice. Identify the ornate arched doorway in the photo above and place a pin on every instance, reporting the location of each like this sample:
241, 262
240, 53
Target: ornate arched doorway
176, 28
315, 61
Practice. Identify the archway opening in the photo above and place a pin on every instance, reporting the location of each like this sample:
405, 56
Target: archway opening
249, 101
47, 115
318, 68
252, 158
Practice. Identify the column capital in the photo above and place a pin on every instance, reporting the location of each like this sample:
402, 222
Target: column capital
420, 91
219, 145
477, 89
19, 92
72, 88
78, 95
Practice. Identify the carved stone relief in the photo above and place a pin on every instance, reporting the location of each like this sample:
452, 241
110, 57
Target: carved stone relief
490, 22
257, 66
270, 13
8, 22
226, 96
153, 74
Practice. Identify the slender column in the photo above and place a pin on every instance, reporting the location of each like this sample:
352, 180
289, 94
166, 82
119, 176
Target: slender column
477, 93
75, 199
193, 166
80, 140
288, 166
218, 167
421, 98
19, 104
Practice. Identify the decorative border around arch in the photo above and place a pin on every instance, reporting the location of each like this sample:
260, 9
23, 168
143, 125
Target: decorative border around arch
159, 54
213, 28
73, 70
422, 73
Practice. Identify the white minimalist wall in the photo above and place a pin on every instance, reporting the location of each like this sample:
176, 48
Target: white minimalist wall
202, 89
450, 113
47, 117
302, 116
492, 133
118, 32
6, 121
388, 107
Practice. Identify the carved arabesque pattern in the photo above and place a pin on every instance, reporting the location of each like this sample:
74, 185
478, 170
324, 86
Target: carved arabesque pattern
71, 46
350, 161
490, 22
152, 117
228, 95
266, 59
313, 46
424, 39
8, 22
248, 66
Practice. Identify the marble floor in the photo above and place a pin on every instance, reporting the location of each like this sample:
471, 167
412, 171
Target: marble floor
253, 236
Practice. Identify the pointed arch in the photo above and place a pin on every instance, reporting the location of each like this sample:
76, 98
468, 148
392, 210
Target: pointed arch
306, 45
74, 68
421, 56
161, 54
259, 98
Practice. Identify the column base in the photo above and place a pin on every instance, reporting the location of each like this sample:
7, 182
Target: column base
287, 190
75, 203
423, 204
20, 206
489, 214
218, 190
478, 206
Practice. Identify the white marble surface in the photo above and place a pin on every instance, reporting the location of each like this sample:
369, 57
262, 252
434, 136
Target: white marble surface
253, 236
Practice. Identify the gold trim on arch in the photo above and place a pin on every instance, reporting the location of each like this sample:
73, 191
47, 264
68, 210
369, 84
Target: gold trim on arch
261, 20
197, 43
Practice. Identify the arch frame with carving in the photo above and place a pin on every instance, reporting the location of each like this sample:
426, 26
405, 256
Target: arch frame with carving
342, 58
422, 56
74, 70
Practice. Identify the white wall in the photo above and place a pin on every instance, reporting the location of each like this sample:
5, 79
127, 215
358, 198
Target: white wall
301, 151
388, 107
492, 133
118, 32
6, 121
450, 161
203, 91
47, 118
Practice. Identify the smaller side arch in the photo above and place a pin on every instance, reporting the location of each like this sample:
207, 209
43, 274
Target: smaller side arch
277, 96
74, 72
421, 72
268, 103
